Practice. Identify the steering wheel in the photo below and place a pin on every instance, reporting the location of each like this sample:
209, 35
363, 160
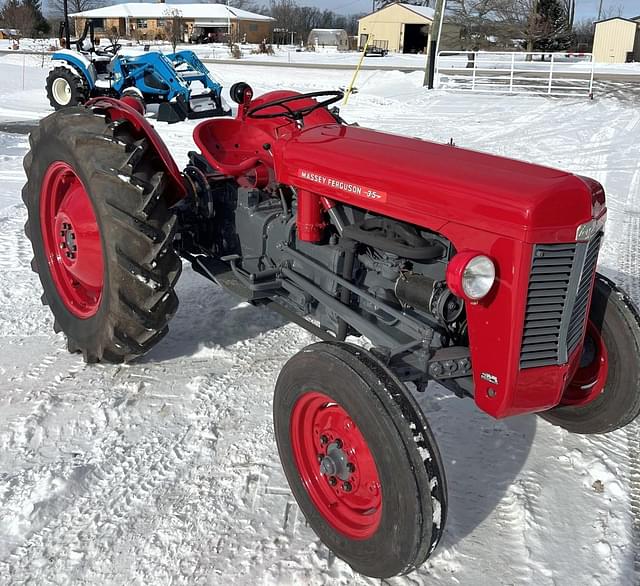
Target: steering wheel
112, 48
295, 114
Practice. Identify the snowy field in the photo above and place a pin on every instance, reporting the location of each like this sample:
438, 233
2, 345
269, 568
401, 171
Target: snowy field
165, 471
329, 56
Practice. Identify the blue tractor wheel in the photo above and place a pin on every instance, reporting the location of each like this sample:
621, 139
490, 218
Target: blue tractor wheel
66, 88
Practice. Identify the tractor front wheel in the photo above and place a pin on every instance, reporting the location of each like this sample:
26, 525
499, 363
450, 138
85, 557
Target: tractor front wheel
102, 234
66, 88
604, 394
360, 459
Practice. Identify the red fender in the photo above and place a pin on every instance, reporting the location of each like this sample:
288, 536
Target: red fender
118, 110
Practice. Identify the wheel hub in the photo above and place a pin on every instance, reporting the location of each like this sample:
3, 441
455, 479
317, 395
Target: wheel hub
591, 376
336, 466
335, 463
67, 241
61, 91
71, 239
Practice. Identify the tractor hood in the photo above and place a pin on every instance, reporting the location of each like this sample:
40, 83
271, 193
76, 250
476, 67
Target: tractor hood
431, 184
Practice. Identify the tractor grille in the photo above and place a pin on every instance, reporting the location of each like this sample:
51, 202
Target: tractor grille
557, 300
579, 313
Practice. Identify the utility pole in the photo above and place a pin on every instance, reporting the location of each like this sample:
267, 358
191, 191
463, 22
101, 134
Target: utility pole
67, 32
600, 10
434, 45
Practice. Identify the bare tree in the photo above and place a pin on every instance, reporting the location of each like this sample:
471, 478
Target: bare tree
378, 4
583, 36
113, 34
56, 7
547, 24
16, 15
174, 27
249, 5
612, 11
480, 19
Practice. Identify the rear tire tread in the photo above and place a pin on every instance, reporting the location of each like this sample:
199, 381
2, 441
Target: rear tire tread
137, 230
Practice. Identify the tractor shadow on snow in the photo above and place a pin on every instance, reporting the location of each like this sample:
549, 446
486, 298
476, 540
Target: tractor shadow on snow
208, 316
482, 457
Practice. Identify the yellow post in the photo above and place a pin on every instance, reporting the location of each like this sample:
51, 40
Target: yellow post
355, 73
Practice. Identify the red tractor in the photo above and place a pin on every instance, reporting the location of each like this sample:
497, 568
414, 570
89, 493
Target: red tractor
471, 270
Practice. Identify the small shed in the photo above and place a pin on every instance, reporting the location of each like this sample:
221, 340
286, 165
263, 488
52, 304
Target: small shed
9, 33
617, 40
329, 37
404, 28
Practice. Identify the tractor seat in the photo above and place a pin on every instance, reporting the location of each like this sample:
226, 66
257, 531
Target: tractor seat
227, 143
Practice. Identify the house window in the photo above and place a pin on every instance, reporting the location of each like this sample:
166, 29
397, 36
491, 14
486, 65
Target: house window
98, 23
160, 23
141, 23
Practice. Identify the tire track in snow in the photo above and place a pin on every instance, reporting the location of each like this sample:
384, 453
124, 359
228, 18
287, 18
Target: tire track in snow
130, 478
120, 479
12, 240
629, 264
621, 248
27, 429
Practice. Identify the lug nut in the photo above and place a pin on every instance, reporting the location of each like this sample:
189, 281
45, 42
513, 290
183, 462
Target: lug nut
324, 439
338, 443
332, 480
351, 467
346, 486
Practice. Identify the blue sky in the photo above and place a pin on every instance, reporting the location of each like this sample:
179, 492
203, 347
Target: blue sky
584, 8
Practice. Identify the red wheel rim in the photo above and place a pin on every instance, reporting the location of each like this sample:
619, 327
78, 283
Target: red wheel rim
590, 378
71, 239
349, 495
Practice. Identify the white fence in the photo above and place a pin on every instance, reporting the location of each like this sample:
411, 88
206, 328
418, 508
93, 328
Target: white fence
557, 74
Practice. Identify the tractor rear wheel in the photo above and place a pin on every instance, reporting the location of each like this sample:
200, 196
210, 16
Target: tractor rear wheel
102, 234
360, 459
604, 394
66, 88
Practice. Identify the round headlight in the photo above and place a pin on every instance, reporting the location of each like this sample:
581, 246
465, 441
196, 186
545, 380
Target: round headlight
478, 277
470, 275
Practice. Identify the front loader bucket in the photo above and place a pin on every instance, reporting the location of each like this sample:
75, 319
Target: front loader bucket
173, 112
207, 106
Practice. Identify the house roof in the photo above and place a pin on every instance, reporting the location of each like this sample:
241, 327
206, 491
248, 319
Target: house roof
634, 20
424, 11
217, 12
421, 10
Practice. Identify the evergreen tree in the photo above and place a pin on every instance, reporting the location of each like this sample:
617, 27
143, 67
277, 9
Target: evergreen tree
40, 24
549, 27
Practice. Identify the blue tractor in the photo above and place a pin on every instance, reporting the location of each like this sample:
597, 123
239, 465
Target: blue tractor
87, 71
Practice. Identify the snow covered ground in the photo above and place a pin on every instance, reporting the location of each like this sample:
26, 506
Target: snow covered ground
165, 471
329, 56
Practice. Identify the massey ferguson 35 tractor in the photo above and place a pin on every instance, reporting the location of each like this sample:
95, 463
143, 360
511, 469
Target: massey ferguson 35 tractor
471, 270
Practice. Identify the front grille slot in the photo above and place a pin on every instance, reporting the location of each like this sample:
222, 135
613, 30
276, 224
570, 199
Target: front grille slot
557, 300
579, 313
546, 299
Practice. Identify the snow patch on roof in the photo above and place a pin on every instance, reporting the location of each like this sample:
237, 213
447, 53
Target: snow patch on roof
161, 10
421, 10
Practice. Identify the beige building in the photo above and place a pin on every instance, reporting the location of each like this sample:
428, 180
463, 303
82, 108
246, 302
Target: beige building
208, 22
398, 27
617, 40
